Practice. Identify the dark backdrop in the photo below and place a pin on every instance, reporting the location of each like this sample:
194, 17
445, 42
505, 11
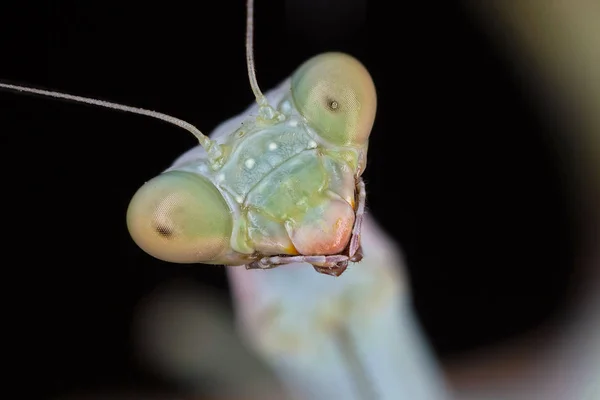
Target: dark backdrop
465, 171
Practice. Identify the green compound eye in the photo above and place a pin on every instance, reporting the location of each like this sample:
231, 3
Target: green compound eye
336, 94
180, 217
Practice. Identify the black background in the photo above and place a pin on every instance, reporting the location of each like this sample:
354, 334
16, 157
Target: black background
465, 171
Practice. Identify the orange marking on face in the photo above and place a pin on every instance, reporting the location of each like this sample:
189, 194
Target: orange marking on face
291, 250
329, 234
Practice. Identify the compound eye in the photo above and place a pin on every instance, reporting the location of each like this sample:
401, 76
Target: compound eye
180, 217
336, 94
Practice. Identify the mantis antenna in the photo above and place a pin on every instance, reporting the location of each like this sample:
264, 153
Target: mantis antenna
260, 98
212, 148
264, 108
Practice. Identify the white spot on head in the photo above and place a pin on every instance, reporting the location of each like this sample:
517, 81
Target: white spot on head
272, 146
249, 163
239, 199
293, 123
312, 144
286, 107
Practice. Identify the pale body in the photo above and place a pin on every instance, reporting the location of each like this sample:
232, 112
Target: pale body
355, 337
350, 338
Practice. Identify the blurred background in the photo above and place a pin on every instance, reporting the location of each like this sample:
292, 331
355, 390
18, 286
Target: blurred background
471, 170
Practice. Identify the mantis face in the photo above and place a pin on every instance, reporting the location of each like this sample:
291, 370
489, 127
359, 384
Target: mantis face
280, 187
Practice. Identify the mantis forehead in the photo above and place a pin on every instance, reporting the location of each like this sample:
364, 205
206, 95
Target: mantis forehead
274, 96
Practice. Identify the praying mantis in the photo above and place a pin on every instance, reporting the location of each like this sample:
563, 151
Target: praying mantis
257, 302
280, 187
331, 308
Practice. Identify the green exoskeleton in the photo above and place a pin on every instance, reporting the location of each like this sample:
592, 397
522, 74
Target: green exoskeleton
282, 186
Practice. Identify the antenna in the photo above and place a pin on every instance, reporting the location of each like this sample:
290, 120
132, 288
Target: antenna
266, 112
211, 147
260, 98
